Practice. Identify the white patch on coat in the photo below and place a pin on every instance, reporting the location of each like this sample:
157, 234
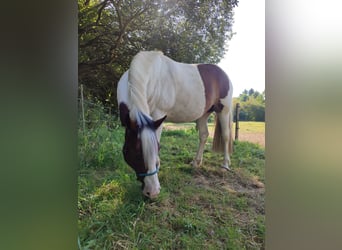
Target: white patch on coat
156, 82
122, 90
227, 101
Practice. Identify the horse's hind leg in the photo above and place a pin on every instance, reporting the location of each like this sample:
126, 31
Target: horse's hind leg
225, 122
202, 126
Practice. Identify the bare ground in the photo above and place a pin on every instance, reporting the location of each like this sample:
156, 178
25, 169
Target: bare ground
258, 138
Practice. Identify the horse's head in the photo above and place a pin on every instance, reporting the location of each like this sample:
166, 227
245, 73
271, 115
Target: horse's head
141, 149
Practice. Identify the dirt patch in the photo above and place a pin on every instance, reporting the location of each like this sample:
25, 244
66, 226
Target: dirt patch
235, 182
258, 138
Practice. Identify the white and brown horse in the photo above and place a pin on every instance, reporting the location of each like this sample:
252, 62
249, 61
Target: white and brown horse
154, 88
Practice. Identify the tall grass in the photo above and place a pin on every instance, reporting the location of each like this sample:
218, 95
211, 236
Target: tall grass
206, 207
101, 142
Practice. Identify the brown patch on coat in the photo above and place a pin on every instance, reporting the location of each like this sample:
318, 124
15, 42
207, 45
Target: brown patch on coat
216, 86
124, 114
124, 117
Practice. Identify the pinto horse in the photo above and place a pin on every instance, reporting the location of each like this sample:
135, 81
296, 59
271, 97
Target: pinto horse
156, 88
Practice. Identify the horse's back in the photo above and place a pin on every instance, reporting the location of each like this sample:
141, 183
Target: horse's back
189, 97
184, 92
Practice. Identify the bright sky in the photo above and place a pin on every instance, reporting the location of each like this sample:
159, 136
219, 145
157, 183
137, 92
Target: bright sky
245, 60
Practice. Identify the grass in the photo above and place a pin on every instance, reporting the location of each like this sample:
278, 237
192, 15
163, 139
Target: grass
251, 127
206, 207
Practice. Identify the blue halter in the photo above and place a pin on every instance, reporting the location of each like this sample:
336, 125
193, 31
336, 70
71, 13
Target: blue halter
149, 174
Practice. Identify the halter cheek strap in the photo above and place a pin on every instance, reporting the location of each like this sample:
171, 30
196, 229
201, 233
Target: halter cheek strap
149, 174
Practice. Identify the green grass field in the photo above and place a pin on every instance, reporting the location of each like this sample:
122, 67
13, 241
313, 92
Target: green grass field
251, 127
206, 207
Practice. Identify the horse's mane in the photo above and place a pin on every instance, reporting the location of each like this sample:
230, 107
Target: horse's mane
148, 138
141, 70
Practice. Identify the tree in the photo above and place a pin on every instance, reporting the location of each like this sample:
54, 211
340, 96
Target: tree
252, 105
111, 32
251, 92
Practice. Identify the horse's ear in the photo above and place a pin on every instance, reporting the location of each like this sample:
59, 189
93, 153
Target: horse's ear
124, 114
157, 123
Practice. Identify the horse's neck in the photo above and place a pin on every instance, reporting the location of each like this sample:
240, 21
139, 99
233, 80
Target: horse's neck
138, 100
151, 85
140, 75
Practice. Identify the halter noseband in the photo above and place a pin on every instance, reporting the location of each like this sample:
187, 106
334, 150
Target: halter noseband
149, 174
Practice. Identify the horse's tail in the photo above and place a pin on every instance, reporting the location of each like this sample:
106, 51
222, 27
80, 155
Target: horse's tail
230, 140
218, 142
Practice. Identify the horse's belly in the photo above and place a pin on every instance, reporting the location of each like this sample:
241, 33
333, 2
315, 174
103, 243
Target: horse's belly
172, 117
185, 112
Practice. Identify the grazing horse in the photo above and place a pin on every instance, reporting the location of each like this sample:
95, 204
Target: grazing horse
156, 88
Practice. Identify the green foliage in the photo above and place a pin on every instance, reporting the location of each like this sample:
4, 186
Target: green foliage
252, 105
197, 207
100, 144
112, 32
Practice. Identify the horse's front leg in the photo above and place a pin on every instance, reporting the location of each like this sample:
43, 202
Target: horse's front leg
202, 126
